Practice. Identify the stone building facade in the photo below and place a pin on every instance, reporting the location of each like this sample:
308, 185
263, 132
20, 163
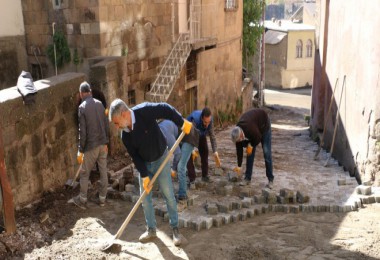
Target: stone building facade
347, 74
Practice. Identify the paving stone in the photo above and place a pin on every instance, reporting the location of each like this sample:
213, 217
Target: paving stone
183, 222
122, 183
259, 199
166, 217
294, 209
236, 205
218, 171
135, 198
222, 191
245, 192
286, 193
223, 208
233, 176
234, 217
365, 200
282, 200
242, 215
364, 190
246, 202
217, 221
212, 209
126, 196
196, 224
250, 213
301, 198
129, 188
229, 189
371, 200
377, 198
341, 182
207, 223
190, 201
221, 183
226, 219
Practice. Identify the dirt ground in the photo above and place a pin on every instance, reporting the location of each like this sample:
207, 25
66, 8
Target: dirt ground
54, 229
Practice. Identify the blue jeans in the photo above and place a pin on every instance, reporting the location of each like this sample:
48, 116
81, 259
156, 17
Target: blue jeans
166, 186
266, 143
186, 150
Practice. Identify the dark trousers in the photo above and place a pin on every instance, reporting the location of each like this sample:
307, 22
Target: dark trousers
203, 152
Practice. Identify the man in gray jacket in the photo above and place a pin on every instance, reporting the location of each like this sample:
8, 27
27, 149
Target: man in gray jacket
92, 147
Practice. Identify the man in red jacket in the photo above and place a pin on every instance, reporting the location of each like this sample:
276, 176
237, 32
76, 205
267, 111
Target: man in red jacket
254, 127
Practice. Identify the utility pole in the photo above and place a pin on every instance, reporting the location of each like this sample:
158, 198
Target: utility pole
262, 58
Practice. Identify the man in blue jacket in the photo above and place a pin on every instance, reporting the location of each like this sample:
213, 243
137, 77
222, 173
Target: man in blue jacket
204, 123
147, 146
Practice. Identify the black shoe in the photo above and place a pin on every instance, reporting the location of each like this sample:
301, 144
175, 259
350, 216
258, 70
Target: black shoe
176, 237
206, 179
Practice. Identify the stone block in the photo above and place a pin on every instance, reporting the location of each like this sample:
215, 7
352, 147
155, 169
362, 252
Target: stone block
365, 200
129, 188
341, 182
302, 198
166, 217
229, 189
294, 209
135, 198
217, 221
221, 183
371, 200
264, 209
377, 199
226, 219
121, 184
364, 190
233, 176
207, 223
246, 202
196, 225
234, 217
243, 215
218, 171
286, 193
222, 191
212, 209
126, 196
272, 199
259, 199
250, 213
223, 208
190, 201
236, 205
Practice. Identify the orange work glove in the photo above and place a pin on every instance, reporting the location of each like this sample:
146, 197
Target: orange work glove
80, 157
217, 160
186, 127
146, 184
194, 154
249, 149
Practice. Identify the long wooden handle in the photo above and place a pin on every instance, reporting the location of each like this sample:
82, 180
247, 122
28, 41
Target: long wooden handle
144, 194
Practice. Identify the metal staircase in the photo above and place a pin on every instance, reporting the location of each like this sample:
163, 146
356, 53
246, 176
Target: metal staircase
170, 71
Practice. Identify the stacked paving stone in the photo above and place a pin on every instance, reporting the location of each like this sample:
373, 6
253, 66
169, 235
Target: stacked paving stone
310, 187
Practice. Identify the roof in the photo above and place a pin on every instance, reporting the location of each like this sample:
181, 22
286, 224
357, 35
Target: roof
274, 37
287, 25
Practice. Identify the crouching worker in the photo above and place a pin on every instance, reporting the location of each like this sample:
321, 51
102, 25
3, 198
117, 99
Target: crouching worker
146, 145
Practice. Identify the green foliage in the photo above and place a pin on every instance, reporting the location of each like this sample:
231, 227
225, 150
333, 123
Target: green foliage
76, 59
124, 51
62, 50
252, 30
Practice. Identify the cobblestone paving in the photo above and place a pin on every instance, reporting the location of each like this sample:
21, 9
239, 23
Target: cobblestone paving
325, 189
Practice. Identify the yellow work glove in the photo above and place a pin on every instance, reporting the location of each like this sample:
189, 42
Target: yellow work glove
106, 112
249, 149
237, 170
217, 160
146, 184
194, 154
186, 126
173, 174
80, 157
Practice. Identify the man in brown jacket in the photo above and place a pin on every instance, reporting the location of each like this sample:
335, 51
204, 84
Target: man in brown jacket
254, 127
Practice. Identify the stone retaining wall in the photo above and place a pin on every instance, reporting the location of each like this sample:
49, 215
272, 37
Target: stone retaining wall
40, 140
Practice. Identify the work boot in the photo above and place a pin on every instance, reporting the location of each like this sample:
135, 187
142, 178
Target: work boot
269, 185
78, 202
192, 185
206, 179
97, 200
245, 182
148, 235
176, 237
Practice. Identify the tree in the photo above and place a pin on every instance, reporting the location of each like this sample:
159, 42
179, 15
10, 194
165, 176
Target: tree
252, 30
63, 54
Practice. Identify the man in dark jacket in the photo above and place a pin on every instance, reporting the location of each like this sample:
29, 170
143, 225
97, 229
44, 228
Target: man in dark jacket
254, 127
147, 146
92, 147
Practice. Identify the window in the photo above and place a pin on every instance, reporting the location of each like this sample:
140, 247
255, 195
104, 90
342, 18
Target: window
231, 5
309, 48
131, 97
57, 4
299, 49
